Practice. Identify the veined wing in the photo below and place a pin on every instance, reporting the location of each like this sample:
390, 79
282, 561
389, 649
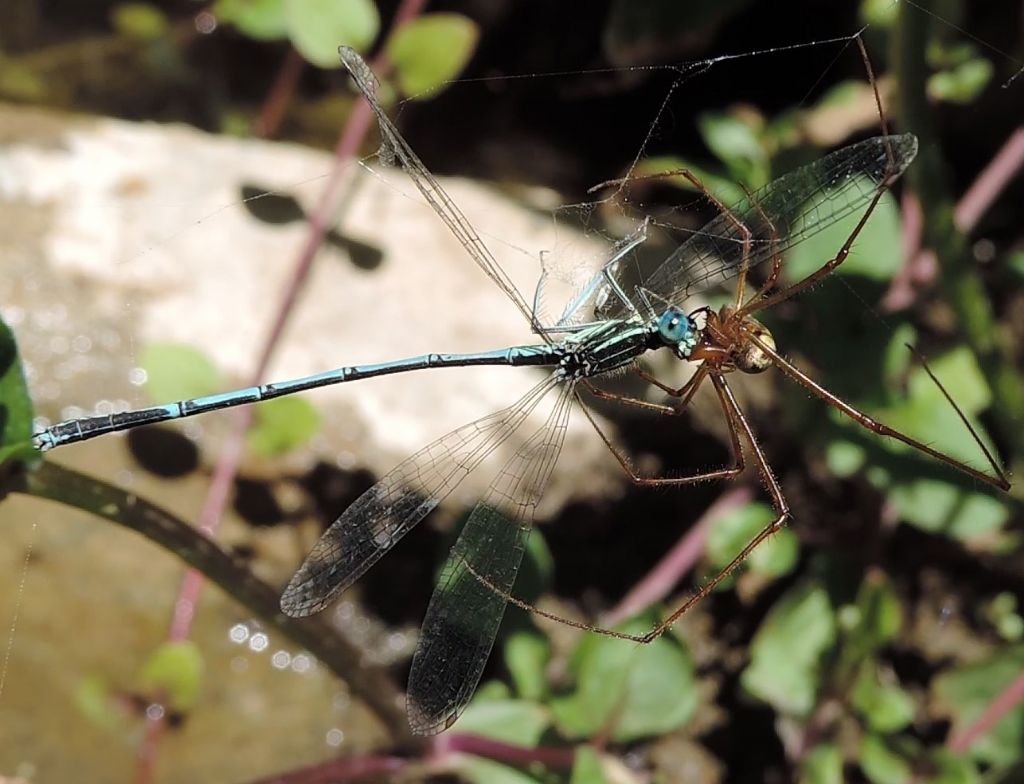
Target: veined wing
797, 205
428, 185
465, 610
387, 511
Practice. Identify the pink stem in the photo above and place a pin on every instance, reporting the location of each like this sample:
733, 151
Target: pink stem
657, 584
280, 95
1007, 700
227, 464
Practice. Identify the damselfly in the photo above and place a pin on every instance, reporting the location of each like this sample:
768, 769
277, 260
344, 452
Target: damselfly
607, 327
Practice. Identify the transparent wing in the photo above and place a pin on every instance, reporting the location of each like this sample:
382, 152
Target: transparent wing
387, 511
797, 205
431, 189
469, 601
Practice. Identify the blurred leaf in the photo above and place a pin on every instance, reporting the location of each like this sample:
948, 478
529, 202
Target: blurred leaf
635, 690
15, 404
538, 568
881, 765
953, 768
966, 692
879, 13
656, 30
175, 669
886, 708
21, 82
822, 765
786, 651
844, 458
939, 507
178, 372
961, 84
318, 27
526, 656
1015, 263
96, 703
485, 771
262, 20
878, 617
877, 254
511, 721
282, 424
587, 768
1002, 613
720, 186
430, 51
142, 21
735, 141
775, 557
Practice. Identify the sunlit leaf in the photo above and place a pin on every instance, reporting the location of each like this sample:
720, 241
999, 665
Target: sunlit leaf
15, 405
263, 20
664, 169
963, 83
786, 652
587, 768
736, 142
178, 372
282, 424
885, 707
526, 656
822, 765
877, 254
880, 764
142, 21
966, 692
431, 50
484, 771
174, 670
632, 690
519, 722
318, 27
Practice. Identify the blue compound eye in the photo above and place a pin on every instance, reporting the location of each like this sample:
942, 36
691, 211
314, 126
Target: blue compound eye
674, 326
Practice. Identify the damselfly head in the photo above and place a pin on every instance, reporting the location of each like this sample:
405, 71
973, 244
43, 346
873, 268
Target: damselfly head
678, 331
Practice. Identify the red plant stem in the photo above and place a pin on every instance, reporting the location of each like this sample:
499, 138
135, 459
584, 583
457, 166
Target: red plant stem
990, 183
280, 95
230, 456
1008, 699
683, 556
551, 757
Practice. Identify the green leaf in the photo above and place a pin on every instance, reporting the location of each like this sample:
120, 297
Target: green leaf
178, 372
142, 21
775, 557
526, 656
96, 703
318, 27
511, 721
175, 669
282, 424
963, 83
15, 404
735, 141
885, 707
822, 765
966, 692
262, 20
665, 168
877, 254
430, 51
586, 768
879, 616
880, 764
786, 652
635, 690
485, 771
952, 768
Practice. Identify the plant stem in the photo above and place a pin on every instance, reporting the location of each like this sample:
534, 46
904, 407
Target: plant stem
929, 179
